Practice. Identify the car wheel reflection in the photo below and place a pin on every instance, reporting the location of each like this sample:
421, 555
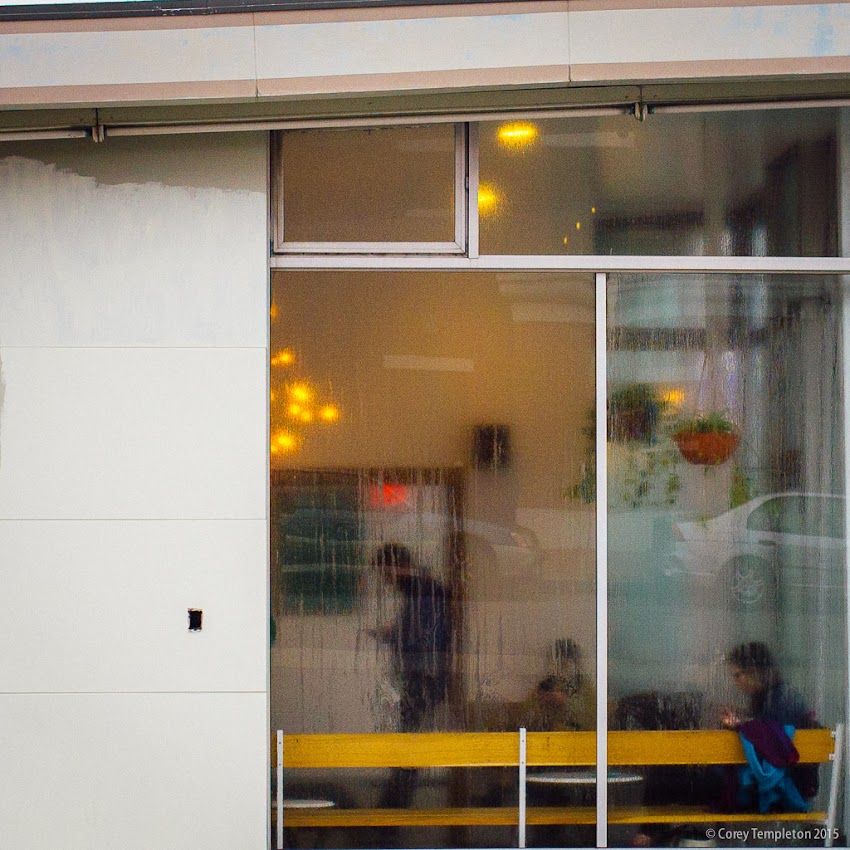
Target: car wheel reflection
750, 577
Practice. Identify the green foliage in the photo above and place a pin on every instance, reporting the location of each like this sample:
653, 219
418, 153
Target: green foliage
633, 413
715, 422
585, 490
650, 476
742, 488
631, 396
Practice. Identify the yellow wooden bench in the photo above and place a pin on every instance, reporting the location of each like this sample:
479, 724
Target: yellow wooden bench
533, 749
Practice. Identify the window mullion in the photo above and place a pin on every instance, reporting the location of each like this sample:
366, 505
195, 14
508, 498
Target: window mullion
601, 563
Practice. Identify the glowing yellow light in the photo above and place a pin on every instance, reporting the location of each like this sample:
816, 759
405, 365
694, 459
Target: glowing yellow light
306, 416
284, 357
294, 410
488, 200
578, 225
301, 392
566, 239
273, 311
517, 134
593, 209
284, 441
329, 413
674, 397
272, 395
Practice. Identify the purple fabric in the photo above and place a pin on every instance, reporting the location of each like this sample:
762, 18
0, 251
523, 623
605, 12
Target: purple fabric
770, 742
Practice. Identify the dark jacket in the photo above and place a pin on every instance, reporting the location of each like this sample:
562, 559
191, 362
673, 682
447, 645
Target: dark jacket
423, 632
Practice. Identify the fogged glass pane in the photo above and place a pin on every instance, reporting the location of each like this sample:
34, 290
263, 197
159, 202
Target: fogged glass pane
724, 183
432, 551
392, 184
727, 552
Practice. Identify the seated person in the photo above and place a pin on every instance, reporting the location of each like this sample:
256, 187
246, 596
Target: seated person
770, 699
560, 704
756, 675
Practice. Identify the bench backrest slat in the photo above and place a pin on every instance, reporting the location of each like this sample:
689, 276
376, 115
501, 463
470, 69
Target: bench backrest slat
412, 749
703, 747
549, 749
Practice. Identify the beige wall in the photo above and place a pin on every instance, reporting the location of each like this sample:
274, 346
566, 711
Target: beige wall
270, 56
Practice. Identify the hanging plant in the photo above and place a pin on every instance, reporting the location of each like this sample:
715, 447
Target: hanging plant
707, 440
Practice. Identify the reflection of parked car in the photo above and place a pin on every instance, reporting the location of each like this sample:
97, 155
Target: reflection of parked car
792, 539
322, 536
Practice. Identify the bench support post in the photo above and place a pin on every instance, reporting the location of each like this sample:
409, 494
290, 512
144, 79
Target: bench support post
279, 789
522, 766
834, 781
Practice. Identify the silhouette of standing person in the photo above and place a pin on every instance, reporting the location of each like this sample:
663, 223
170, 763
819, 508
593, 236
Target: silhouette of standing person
420, 644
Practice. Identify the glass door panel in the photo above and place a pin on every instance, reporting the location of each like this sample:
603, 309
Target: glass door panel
726, 506
432, 543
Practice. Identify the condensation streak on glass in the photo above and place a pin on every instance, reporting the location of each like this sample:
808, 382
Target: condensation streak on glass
751, 183
727, 548
432, 528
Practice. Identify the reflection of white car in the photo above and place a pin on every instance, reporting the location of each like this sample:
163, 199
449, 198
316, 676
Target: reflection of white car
779, 540
316, 537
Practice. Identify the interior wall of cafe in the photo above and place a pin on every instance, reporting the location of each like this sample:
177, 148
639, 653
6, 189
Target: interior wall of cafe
133, 482
414, 361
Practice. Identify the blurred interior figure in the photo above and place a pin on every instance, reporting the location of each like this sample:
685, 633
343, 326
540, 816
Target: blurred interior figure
773, 707
564, 701
561, 702
420, 645
756, 675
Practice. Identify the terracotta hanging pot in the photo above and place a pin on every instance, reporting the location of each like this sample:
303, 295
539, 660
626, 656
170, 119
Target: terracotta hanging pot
707, 448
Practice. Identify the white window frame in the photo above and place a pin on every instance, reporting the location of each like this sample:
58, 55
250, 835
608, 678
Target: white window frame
461, 215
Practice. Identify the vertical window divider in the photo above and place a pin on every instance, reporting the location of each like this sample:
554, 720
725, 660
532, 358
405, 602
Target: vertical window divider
601, 562
844, 251
472, 191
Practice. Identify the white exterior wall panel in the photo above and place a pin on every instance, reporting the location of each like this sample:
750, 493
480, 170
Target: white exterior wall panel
289, 51
133, 481
101, 606
137, 771
133, 433
136, 242
709, 34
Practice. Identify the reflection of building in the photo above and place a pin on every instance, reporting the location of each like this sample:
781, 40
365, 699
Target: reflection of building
134, 325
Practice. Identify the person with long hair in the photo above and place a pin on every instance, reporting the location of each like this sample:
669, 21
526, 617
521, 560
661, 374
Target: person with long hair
757, 676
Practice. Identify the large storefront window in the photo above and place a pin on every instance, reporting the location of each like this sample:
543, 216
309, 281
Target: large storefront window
558, 558
726, 509
431, 570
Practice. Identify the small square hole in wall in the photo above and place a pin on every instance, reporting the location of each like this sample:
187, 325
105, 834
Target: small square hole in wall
196, 619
